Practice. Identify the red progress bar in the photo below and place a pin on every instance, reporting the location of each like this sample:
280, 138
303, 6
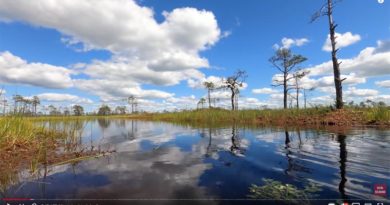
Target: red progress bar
16, 199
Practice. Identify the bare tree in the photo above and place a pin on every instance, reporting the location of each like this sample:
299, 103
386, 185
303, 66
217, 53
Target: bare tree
209, 86
17, 100
298, 75
305, 95
132, 100
327, 10
233, 83
35, 102
285, 62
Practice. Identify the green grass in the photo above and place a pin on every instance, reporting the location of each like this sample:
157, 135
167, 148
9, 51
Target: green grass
379, 115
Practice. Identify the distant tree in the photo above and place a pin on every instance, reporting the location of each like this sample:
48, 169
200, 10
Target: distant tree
327, 10
298, 75
66, 111
53, 110
17, 100
201, 102
35, 102
381, 104
104, 110
121, 110
233, 83
209, 86
132, 100
285, 62
305, 95
78, 110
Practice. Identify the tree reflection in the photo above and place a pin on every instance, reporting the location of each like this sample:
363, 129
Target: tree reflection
343, 159
288, 152
293, 163
236, 148
104, 123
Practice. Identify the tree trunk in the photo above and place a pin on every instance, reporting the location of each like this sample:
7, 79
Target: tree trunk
232, 100
336, 68
285, 91
209, 98
297, 97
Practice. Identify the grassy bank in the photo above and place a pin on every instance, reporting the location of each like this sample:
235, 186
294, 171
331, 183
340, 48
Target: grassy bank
27, 144
378, 116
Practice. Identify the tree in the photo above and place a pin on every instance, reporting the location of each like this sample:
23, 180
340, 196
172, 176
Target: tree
53, 110
35, 102
132, 100
78, 110
327, 10
201, 102
17, 99
298, 75
121, 110
104, 110
233, 83
209, 86
305, 94
285, 62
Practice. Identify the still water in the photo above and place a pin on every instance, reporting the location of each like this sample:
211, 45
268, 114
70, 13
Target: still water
166, 161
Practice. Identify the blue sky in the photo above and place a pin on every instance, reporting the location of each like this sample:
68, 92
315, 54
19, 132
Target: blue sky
83, 52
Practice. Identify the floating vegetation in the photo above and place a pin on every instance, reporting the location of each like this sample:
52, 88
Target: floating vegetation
276, 190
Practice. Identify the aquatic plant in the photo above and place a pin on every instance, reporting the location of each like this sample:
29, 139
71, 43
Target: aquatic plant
276, 190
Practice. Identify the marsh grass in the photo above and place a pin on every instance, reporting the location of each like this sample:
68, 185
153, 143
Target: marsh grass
294, 117
29, 144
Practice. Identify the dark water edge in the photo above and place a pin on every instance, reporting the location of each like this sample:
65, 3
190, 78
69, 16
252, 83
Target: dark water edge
156, 160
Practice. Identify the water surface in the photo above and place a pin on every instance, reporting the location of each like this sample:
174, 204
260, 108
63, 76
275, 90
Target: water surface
165, 161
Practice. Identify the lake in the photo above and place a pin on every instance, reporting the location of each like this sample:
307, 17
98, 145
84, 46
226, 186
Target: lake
164, 161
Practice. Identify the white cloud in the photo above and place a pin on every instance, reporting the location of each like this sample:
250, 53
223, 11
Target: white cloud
60, 97
343, 40
137, 72
354, 92
125, 28
264, 91
383, 98
14, 70
198, 83
385, 83
145, 51
289, 42
116, 90
369, 63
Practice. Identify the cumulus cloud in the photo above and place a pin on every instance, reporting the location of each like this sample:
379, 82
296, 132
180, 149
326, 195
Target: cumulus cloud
15, 70
343, 40
370, 62
116, 90
198, 83
385, 83
125, 28
289, 42
354, 92
60, 97
137, 72
264, 91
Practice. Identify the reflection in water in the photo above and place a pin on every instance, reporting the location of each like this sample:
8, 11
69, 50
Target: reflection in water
236, 148
160, 160
104, 123
343, 160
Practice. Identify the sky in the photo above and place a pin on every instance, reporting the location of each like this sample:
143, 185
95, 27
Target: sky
92, 52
